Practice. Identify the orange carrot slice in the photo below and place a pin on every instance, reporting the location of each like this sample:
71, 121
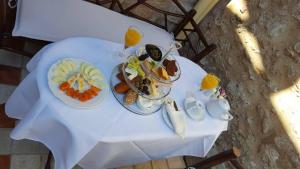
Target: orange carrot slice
83, 97
96, 89
64, 86
76, 94
92, 92
70, 92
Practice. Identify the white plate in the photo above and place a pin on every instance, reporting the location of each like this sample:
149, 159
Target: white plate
54, 87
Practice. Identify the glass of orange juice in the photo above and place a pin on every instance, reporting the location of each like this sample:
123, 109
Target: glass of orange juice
209, 84
133, 36
210, 81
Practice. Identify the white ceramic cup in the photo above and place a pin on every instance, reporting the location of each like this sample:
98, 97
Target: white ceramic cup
219, 108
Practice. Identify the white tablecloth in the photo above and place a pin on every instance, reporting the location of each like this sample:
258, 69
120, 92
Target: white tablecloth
54, 20
109, 135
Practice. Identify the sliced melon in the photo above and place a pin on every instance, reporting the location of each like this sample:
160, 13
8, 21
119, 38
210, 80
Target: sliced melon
58, 79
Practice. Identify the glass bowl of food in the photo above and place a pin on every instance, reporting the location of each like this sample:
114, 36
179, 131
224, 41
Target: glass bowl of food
142, 82
157, 62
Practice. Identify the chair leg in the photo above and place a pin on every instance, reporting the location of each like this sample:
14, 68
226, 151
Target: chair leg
48, 163
218, 159
203, 53
185, 161
236, 164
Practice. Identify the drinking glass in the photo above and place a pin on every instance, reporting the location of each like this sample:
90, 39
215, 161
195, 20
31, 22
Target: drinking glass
133, 36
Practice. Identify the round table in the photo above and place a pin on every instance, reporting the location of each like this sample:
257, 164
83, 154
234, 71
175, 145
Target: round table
108, 135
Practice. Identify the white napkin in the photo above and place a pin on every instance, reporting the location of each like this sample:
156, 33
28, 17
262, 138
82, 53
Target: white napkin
176, 117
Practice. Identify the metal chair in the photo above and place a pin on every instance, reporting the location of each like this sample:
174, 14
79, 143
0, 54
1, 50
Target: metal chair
28, 47
23, 46
199, 48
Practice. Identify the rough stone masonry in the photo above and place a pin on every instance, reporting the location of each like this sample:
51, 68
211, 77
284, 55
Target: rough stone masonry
257, 58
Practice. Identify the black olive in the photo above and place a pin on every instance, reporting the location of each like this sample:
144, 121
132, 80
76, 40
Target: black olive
143, 57
146, 81
154, 52
145, 88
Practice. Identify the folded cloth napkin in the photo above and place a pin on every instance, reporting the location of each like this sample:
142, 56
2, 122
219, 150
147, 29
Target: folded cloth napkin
176, 117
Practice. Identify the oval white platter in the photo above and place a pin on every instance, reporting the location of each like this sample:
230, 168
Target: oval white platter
54, 88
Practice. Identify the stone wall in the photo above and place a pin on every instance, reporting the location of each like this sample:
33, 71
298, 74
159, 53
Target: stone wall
257, 57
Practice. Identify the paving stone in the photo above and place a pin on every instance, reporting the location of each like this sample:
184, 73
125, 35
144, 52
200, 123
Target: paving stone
28, 161
4, 161
77, 167
127, 167
214, 151
220, 166
25, 60
194, 160
10, 59
191, 160
24, 73
52, 165
175, 163
5, 141
146, 165
28, 147
10, 75
160, 164
5, 121
5, 92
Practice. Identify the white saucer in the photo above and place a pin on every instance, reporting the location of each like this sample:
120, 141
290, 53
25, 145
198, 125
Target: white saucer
193, 115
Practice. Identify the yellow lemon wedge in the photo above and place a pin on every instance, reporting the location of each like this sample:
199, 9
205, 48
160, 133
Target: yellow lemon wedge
210, 81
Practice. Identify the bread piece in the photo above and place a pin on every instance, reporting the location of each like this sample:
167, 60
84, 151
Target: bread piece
171, 67
121, 87
148, 65
155, 71
153, 87
120, 66
136, 80
121, 77
130, 97
163, 73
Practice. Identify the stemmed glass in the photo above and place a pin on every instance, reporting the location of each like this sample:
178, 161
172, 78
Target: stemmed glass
133, 36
